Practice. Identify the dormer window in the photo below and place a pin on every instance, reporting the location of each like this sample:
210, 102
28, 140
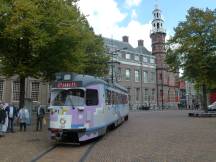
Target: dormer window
145, 59
136, 58
128, 56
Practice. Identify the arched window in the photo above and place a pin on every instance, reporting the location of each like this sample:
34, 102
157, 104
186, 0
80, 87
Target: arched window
158, 25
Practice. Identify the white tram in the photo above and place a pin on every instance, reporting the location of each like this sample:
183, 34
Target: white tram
83, 107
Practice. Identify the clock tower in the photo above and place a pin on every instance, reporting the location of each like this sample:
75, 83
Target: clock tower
165, 80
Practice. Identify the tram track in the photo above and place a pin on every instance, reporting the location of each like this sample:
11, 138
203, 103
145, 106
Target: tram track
81, 150
86, 153
36, 158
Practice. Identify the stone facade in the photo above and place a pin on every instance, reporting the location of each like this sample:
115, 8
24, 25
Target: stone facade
36, 91
167, 85
135, 69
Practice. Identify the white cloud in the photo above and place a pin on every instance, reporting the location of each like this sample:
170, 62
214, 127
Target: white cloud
104, 17
131, 3
134, 14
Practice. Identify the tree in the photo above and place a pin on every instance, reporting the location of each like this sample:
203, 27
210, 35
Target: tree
193, 49
39, 38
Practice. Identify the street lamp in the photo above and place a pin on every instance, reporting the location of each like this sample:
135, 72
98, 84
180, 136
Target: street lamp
112, 61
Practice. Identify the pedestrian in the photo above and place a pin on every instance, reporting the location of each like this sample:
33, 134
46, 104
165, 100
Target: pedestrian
197, 106
2, 119
23, 117
40, 117
5, 125
11, 113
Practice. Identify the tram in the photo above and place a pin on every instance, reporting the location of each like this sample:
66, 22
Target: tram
83, 107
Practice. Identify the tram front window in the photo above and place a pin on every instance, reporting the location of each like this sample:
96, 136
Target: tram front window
70, 97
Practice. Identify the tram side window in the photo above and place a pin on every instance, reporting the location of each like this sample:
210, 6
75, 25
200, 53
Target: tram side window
108, 97
91, 97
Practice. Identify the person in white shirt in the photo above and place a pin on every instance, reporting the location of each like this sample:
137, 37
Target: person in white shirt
23, 116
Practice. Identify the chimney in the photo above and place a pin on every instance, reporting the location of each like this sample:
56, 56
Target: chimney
140, 43
125, 39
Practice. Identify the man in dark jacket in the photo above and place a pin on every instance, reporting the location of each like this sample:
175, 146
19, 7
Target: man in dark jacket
40, 116
12, 113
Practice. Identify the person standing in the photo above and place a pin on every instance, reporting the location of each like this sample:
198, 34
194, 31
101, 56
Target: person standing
40, 116
23, 116
12, 113
2, 119
5, 125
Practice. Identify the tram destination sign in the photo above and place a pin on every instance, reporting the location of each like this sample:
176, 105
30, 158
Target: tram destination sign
69, 84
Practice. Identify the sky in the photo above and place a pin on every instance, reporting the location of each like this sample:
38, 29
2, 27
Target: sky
116, 18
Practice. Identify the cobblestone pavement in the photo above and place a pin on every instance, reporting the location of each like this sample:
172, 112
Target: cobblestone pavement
65, 153
148, 136
23, 146
162, 136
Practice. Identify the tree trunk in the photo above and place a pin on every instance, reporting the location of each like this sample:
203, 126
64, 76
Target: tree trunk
204, 90
22, 92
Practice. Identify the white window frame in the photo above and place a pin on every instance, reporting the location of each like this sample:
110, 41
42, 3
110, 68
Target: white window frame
145, 59
127, 74
145, 76
15, 97
128, 56
136, 58
152, 61
146, 94
136, 75
2, 90
35, 92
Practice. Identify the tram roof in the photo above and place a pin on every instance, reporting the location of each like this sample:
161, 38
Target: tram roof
85, 79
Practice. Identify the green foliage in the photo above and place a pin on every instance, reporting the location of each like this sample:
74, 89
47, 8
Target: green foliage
39, 38
193, 47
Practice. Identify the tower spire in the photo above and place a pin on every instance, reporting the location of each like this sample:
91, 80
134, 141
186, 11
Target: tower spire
157, 22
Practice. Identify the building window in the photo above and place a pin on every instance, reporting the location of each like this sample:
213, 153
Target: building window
145, 77
35, 91
16, 90
160, 76
145, 59
137, 94
136, 58
152, 61
127, 74
153, 94
119, 74
152, 77
128, 56
1, 89
158, 25
129, 96
161, 93
146, 94
137, 75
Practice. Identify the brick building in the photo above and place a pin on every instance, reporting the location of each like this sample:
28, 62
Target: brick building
166, 82
36, 91
133, 68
